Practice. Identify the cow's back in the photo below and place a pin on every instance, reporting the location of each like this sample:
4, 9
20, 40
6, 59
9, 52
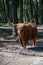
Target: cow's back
28, 32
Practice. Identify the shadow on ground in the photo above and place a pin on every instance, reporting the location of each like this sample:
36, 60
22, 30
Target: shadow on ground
38, 49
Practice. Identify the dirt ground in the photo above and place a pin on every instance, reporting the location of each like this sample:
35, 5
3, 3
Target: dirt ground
14, 54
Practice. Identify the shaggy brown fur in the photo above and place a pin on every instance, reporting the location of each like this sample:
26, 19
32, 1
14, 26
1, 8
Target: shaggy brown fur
26, 33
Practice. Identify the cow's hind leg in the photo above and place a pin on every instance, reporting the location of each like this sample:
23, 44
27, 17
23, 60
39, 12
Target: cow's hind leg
34, 43
24, 45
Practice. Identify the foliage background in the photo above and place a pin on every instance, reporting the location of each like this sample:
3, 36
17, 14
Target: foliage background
15, 11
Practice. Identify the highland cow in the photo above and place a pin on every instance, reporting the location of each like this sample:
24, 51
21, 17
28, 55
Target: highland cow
26, 32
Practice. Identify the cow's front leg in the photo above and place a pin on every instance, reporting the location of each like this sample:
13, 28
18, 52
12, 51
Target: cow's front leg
21, 41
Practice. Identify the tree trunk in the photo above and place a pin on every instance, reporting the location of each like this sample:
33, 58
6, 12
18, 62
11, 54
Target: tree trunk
15, 11
21, 10
42, 11
27, 15
36, 11
31, 8
5, 17
8, 9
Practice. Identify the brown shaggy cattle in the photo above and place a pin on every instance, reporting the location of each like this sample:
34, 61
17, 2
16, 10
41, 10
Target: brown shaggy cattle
26, 32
